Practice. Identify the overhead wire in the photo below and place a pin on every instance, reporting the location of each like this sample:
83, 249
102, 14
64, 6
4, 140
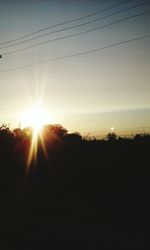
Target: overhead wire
66, 22
77, 54
76, 34
76, 26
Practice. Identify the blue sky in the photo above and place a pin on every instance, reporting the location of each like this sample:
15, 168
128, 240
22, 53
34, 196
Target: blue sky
80, 92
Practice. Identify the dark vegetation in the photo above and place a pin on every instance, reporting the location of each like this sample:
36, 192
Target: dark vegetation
88, 194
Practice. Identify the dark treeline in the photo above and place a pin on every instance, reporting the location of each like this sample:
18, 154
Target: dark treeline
82, 194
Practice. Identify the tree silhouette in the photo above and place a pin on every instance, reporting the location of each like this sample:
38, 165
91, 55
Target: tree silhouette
111, 137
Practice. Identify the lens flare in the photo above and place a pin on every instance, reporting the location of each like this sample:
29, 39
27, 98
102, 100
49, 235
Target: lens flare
36, 118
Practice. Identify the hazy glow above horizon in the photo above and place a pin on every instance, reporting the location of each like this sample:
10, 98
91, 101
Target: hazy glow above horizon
90, 92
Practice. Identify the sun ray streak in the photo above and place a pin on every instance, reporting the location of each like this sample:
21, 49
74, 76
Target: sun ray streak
33, 149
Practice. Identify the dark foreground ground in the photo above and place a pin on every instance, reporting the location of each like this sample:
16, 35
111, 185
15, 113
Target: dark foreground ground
87, 195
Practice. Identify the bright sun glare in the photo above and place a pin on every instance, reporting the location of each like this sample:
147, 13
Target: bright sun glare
36, 118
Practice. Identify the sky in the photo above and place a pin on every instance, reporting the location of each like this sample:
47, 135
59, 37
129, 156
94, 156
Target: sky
87, 93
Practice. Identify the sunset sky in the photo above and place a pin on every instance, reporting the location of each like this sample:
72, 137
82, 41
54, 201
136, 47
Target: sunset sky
86, 93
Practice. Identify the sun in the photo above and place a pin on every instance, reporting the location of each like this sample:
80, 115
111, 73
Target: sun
36, 117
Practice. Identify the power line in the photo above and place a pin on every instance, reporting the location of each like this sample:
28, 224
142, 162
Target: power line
76, 34
66, 22
75, 26
78, 54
